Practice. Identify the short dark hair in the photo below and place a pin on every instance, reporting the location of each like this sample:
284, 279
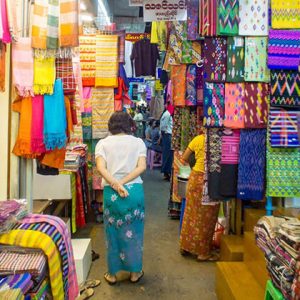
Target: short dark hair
120, 122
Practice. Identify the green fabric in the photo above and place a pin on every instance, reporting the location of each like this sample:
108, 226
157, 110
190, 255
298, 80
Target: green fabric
187, 52
185, 127
235, 59
228, 17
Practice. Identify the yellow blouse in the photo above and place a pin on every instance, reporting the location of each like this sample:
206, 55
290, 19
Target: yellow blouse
197, 145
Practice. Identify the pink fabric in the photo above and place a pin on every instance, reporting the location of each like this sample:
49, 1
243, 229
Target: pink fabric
170, 92
37, 131
78, 78
6, 38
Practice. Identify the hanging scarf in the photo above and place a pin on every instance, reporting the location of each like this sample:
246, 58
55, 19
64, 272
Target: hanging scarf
52, 24
191, 93
22, 60
69, 23
44, 75
55, 123
11, 6
6, 37
2, 66
64, 71
37, 137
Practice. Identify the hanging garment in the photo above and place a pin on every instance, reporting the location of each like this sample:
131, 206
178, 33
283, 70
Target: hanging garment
5, 37
176, 133
192, 19
11, 7
159, 33
253, 17
256, 105
64, 71
22, 66
191, 92
214, 104
285, 88
121, 45
2, 66
87, 50
215, 58
256, 59
128, 64
107, 65
53, 17
199, 85
234, 105
76, 137
284, 49
54, 158
178, 78
55, 119
228, 17
229, 162
235, 59
177, 163
252, 163
208, 17
69, 23
285, 14
283, 128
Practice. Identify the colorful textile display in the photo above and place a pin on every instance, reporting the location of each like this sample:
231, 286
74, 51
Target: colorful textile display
42, 292
256, 59
55, 120
22, 59
228, 17
283, 128
2, 66
235, 59
215, 58
88, 59
191, 92
229, 162
284, 49
199, 85
15, 294
107, 65
187, 53
177, 35
253, 17
64, 70
178, 78
214, 103
5, 36
234, 105
196, 51
208, 17
69, 23
13, 26
17, 281
102, 109
159, 35
192, 19
52, 24
283, 172
44, 75
285, 88
285, 14
252, 162
256, 105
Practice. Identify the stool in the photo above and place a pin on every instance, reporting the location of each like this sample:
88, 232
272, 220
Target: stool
272, 292
151, 159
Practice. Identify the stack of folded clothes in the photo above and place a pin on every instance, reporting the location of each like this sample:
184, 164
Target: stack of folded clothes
75, 157
279, 238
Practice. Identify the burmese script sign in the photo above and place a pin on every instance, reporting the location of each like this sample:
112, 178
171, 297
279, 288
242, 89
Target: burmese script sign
165, 10
136, 2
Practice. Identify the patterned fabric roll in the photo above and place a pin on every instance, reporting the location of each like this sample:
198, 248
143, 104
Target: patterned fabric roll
285, 88
208, 17
228, 17
284, 49
235, 59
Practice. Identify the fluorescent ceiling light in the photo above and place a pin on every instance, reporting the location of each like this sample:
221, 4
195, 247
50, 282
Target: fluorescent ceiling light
86, 18
103, 11
82, 6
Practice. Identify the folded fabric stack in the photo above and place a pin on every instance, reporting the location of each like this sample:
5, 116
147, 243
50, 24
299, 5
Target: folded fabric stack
279, 238
75, 157
10, 212
13, 294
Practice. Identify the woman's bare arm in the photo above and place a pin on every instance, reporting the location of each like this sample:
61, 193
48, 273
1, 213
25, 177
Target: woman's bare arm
186, 155
140, 168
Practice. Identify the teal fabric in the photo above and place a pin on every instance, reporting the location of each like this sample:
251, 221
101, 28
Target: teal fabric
124, 229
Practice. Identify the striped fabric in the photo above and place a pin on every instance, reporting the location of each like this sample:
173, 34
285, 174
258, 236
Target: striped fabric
69, 23
17, 281
230, 147
107, 65
42, 291
33, 239
283, 128
228, 17
208, 17
15, 294
52, 24
64, 70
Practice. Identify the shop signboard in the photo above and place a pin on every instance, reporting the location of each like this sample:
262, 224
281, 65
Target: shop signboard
165, 10
136, 2
134, 37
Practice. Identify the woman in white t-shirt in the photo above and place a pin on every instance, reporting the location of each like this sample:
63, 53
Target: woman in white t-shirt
121, 159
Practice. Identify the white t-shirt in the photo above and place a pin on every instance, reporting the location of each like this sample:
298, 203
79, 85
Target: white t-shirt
121, 153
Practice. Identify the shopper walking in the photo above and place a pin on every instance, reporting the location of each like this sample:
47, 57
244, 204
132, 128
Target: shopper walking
199, 220
121, 159
138, 118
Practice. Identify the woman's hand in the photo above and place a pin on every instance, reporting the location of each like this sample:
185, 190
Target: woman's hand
120, 189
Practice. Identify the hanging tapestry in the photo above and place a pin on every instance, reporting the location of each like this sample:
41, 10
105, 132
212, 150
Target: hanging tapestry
285, 88
235, 59
283, 172
196, 52
213, 106
178, 78
252, 163
88, 59
191, 92
192, 19
253, 17
64, 70
229, 162
187, 52
199, 85
176, 133
205, 197
284, 49
215, 58
185, 128
256, 59
102, 109
228, 17
285, 14
107, 65
283, 128
234, 105
214, 162
256, 105
208, 17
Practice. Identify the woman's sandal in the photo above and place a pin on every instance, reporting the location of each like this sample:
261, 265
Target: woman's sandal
91, 283
138, 279
109, 281
87, 293
213, 257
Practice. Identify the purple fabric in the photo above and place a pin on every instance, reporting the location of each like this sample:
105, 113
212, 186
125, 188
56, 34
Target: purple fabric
192, 20
8, 208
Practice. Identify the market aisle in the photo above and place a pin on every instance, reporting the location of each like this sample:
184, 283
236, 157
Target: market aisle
168, 275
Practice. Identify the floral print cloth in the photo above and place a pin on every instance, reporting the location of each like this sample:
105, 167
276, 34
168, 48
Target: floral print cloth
228, 17
124, 229
178, 78
256, 59
192, 19
191, 92
199, 85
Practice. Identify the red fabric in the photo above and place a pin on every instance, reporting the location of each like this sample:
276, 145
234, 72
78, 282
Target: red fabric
80, 217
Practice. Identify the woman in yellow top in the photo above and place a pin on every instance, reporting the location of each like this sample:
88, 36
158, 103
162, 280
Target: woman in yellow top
199, 220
